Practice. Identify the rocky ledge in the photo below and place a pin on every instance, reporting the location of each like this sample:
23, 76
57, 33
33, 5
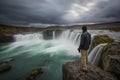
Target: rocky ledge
73, 71
110, 59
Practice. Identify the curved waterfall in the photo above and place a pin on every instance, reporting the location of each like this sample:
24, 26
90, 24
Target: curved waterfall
95, 54
32, 51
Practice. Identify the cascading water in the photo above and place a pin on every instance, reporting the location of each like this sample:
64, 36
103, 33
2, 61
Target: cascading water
95, 54
31, 51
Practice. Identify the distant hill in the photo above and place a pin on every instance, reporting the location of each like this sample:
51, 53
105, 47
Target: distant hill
8, 29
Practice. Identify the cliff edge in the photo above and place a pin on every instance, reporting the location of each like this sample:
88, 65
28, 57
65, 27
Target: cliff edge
73, 71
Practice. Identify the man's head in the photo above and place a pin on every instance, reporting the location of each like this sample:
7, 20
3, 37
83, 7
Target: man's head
84, 28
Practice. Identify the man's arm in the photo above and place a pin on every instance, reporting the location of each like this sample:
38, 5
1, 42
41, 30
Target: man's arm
81, 42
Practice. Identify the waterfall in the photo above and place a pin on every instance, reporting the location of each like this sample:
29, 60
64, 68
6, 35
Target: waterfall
32, 50
73, 36
95, 54
67, 37
32, 36
53, 34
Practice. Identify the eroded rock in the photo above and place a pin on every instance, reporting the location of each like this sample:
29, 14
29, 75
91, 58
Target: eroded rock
73, 71
111, 59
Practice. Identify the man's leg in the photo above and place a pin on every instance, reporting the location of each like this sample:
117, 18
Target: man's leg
84, 59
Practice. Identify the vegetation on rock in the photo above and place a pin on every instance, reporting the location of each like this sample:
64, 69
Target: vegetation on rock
35, 73
100, 39
110, 58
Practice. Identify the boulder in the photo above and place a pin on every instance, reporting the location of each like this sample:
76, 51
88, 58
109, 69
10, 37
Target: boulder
34, 73
5, 68
73, 71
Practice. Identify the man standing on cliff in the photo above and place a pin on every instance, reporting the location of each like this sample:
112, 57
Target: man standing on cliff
84, 46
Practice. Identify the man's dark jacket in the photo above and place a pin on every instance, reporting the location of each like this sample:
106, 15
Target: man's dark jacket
85, 41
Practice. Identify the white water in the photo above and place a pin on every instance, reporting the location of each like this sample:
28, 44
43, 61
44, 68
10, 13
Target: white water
48, 54
95, 54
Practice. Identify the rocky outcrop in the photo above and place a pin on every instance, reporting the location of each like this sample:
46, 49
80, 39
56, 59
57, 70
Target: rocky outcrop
112, 65
6, 38
34, 73
73, 71
58, 33
111, 59
100, 39
5, 68
50, 34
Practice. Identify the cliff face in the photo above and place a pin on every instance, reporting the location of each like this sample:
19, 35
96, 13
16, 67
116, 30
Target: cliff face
73, 71
111, 59
110, 62
7, 32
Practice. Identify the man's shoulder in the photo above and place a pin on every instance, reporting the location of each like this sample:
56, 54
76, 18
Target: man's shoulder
86, 33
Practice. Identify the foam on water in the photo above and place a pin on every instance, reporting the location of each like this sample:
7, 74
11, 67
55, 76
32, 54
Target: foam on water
32, 51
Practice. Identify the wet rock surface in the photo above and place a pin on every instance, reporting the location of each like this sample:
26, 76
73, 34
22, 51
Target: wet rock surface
5, 68
34, 73
48, 34
73, 71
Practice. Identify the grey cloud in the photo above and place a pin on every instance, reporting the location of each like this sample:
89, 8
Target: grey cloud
53, 11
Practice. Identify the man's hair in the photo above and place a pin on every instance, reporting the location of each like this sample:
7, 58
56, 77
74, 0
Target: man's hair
84, 28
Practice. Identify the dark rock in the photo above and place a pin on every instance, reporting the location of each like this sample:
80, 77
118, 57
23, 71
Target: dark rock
73, 71
6, 38
112, 65
5, 68
34, 74
58, 33
111, 59
48, 34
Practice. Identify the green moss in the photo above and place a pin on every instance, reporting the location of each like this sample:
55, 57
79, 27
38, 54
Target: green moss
100, 39
105, 48
34, 74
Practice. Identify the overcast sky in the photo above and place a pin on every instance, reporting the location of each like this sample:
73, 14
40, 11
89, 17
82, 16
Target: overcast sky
58, 11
